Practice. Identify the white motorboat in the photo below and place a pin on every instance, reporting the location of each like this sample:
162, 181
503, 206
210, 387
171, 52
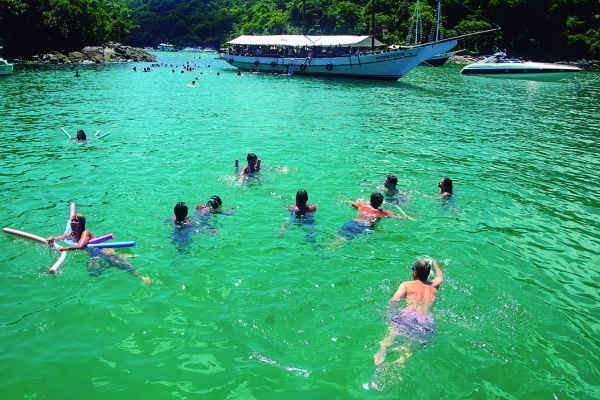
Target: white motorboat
6, 69
343, 55
501, 66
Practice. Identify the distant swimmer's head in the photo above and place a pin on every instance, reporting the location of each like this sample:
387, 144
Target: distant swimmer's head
301, 197
376, 199
81, 135
77, 223
252, 159
214, 204
421, 269
390, 182
445, 185
181, 211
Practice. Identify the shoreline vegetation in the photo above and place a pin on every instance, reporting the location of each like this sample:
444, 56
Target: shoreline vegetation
117, 52
105, 53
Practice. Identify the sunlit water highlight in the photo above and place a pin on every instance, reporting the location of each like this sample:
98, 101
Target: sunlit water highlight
260, 308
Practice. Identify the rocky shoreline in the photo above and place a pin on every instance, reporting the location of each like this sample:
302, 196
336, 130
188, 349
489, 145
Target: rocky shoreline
106, 53
586, 65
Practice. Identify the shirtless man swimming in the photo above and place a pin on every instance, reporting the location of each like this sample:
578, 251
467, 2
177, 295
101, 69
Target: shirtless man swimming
414, 323
366, 216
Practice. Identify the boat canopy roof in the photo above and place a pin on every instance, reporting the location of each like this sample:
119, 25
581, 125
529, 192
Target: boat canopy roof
308, 41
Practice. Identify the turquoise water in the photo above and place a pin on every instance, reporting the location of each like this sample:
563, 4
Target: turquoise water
261, 308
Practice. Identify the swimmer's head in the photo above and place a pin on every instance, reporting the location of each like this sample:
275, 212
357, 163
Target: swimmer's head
390, 182
77, 221
81, 134
181, 211
376, 199
301, 197
252, 159
422, 268
214, 204
445, 185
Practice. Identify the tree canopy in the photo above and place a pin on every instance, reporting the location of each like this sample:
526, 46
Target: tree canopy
538, 29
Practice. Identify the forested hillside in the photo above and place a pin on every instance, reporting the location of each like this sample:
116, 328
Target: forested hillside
537, 29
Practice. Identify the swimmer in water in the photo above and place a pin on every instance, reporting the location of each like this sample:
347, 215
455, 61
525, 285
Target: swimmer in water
366, 217
82, 237
253, 165
81, 135
391, 193
445, 186
181, 214
301, 207
413, 323
213, 206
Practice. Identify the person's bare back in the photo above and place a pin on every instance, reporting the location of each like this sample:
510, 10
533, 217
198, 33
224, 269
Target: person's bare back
419, 294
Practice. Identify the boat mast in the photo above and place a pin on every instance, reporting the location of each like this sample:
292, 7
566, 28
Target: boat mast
417, 20
373, 25
304, 17
439, 20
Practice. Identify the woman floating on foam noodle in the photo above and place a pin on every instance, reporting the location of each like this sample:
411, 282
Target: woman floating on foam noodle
102, 255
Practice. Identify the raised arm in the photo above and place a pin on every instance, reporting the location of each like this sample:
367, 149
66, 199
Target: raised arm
439, 277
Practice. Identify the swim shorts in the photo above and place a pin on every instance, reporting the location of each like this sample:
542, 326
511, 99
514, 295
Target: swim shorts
354, 228
414, 325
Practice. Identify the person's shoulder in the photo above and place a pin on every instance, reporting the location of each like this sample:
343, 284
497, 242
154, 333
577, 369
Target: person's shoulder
293, 208
200, 207
312, 208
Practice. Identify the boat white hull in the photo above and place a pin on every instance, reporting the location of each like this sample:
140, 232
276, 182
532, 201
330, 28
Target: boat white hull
525, 70
390, 65
6, 70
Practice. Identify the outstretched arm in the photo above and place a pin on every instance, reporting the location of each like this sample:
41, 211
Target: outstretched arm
85, 238
439, 277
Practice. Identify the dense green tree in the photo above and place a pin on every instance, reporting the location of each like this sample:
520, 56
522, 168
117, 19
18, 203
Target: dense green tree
29, 26
537, 29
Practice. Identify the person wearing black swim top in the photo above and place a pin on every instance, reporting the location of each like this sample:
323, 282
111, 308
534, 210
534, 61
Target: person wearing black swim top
253, 165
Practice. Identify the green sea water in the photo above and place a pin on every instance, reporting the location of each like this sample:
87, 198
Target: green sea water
257, 307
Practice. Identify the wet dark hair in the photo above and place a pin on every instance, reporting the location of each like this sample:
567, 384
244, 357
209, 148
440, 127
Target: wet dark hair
301, 196
376, 199
392, 179
422, 268
446, 185
251, 156
181, 211
81, 135
214, 203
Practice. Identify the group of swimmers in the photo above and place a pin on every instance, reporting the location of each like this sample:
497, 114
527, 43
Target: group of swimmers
413, 324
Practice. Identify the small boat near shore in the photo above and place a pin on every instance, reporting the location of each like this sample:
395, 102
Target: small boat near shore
501, 66
6, 69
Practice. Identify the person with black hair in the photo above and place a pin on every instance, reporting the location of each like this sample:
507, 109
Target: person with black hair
181, 214
445, 186
301, 207
366, 217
